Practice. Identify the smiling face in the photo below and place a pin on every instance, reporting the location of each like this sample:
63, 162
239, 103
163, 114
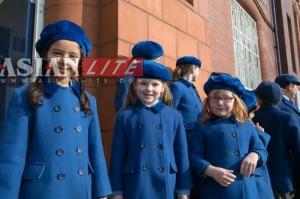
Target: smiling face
221, 102
63, 57
149, 91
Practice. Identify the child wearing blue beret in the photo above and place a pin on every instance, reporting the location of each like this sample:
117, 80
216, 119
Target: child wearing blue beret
149, 157
263, 181
148, 50
185, 95
225, 147
51, 143
284, 146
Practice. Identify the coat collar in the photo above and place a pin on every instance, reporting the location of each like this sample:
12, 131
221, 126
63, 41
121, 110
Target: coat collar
290, 104
185, 82
139, 106
50, 87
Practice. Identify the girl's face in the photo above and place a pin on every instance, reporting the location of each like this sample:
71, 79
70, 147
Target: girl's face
194, 72
63, 57
221, 102
149, 90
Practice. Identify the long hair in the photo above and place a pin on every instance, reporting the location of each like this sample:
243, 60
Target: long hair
239, 111
181, 70
132, 98
36, 93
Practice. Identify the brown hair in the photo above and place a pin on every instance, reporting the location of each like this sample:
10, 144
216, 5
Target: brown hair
181, 70
166, 96
35, 92
239, 110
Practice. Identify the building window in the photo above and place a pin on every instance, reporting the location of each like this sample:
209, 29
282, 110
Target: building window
292, 48
246, 52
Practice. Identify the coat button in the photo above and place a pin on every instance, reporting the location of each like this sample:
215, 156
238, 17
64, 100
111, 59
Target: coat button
234, 135
160, 147
78, 129
76, 109
158, 126
81, 172
79, 150
58, 129
60, 152
237, 153
142, 146
161, 169
145, 167
57, 108
61, 176
140, 126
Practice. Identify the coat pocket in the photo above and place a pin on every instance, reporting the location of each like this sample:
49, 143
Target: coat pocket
34, 171
173, 167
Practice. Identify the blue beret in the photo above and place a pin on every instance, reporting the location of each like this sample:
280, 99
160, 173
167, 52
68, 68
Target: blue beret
269, 91
188, 60
249, 99
286, 79
62, 30
147, 50
223, 81
155, 70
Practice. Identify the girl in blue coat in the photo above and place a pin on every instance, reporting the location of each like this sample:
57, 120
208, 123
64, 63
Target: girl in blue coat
225, 149
149, 157
51, 144
263, 181
185, 95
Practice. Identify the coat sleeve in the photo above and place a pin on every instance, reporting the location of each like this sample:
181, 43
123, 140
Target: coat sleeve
183, 178
118, 152
13, 146
176, 94
257, 146
198, 163
293, 139
100, 181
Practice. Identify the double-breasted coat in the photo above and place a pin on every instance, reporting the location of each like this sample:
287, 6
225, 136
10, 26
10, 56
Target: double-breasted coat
285, 138
187, 101
54, 150
149, 153
263, 180
224, 142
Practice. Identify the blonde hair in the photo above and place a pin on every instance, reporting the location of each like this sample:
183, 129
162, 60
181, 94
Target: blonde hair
239, 111
181, 70
166, 96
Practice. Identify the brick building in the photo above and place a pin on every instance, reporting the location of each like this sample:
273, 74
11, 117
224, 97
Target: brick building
240, 37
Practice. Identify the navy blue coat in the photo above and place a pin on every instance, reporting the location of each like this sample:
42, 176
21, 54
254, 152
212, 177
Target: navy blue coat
263, 181
285, 137
52, 151
187, 101
149, 157
288, 106
224, 142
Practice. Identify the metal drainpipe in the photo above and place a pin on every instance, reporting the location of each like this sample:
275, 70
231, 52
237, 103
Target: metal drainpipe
275, 30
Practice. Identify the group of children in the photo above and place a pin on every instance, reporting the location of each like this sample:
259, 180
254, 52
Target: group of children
167, 143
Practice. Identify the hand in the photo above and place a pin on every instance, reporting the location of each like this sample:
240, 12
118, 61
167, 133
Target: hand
116, 197
258, 127
249, 164
223, 176
182, 196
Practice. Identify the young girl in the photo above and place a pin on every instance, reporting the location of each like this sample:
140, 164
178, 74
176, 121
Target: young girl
51, 145
149, 157
225, 148
185, 95
263, 181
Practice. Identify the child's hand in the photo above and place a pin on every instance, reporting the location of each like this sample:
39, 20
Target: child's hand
258, 127
249, 164
116, 197
182, 196
223, 176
